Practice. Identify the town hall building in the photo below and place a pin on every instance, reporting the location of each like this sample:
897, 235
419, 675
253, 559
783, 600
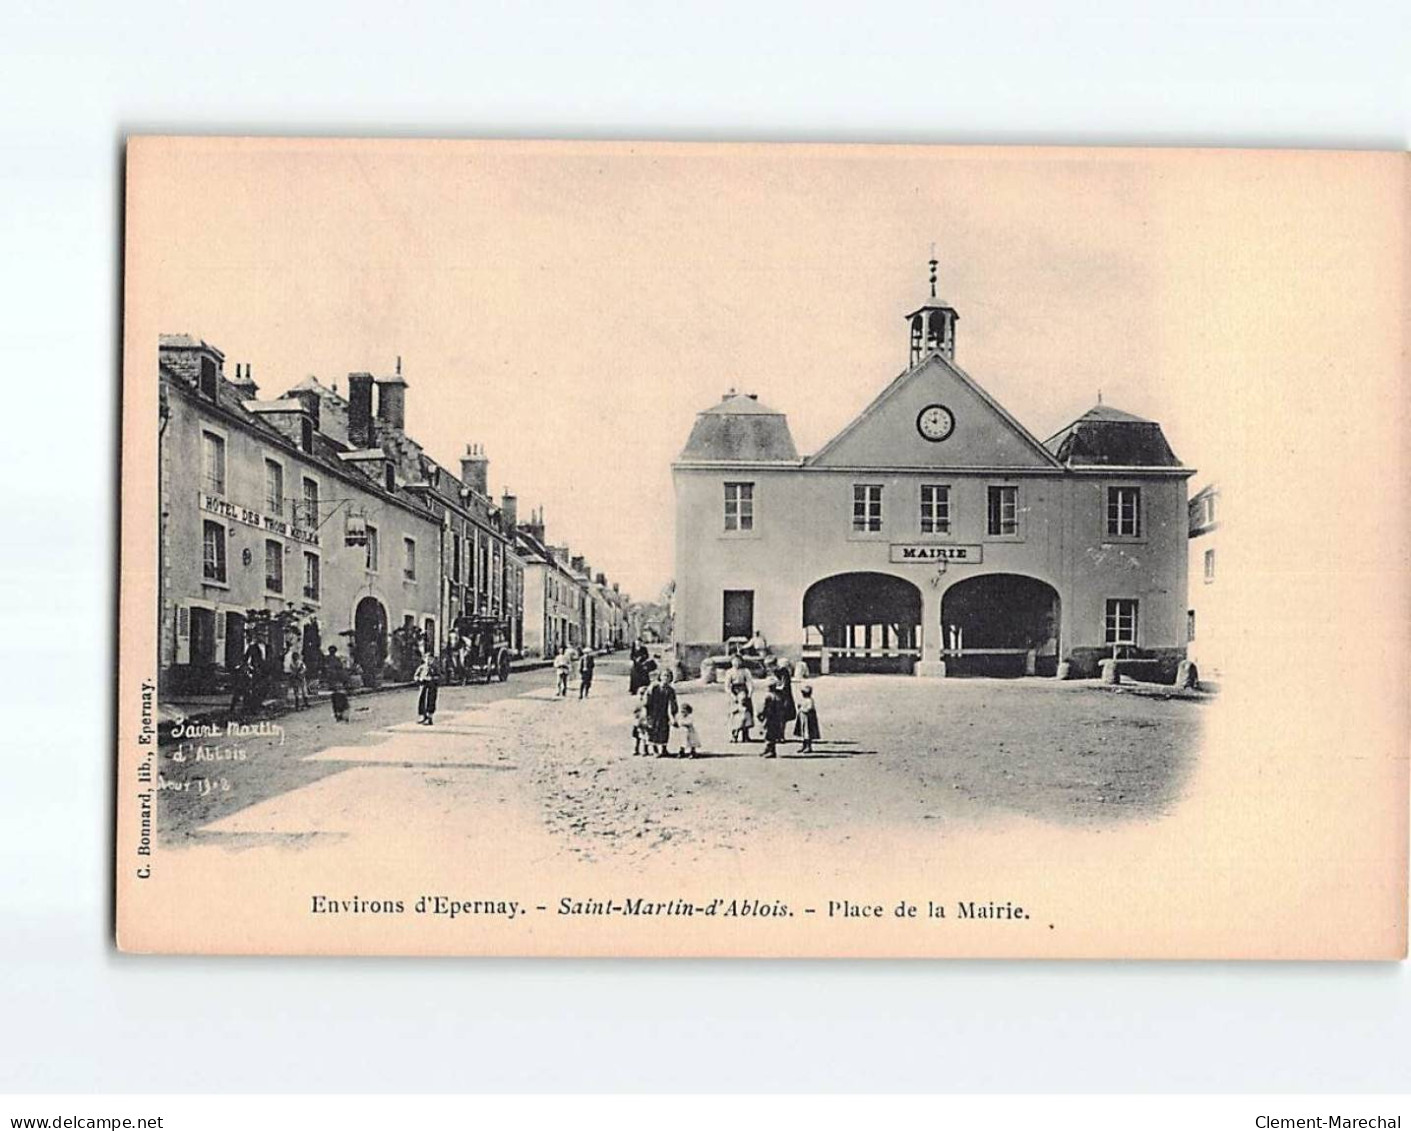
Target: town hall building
934, 534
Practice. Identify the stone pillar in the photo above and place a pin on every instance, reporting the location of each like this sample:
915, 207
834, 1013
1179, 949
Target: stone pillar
931, 665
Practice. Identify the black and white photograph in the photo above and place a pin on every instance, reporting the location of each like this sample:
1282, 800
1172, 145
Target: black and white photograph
620, 566
574, 548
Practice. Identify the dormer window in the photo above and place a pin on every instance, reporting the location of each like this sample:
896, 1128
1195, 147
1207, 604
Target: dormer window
208, 378
390, 479
306, 434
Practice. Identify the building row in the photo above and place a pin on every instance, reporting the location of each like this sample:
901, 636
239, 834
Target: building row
313, 520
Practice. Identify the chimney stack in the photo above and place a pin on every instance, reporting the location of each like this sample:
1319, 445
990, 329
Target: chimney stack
392, 400
475, 470
245, 383
312, 403
535, 526
360, 410
509, 507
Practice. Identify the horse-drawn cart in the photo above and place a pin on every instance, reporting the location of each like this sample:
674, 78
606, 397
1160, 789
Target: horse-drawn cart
479, 650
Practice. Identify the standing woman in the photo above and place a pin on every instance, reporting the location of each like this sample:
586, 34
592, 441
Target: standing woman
661, 713
335, 678
784, 676
426, 676
640, 676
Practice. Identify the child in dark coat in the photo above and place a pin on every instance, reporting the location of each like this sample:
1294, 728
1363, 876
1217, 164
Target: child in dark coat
808, 719
772, 715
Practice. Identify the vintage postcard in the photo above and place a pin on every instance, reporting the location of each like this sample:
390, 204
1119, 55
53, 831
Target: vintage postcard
763, 550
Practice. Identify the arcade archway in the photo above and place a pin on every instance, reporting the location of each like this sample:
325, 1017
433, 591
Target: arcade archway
1000, 624
863, 622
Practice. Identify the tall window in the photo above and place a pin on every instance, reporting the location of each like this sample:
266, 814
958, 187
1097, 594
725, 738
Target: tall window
1003, 511
1124, 512
213, 460
311, 503
867, 507
311, 576
1121, 622
1209, 566
213, 551
274, 566
1209, 508
409, 558
935, 509
739, 506
306, 434
372, 548
1190, 625
456, 558
274, 488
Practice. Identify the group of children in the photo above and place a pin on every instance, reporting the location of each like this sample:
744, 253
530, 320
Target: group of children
805, 717
777, 710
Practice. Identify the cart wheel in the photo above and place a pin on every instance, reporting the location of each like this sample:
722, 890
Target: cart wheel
504, 667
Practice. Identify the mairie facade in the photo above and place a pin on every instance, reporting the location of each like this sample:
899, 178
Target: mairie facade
934, 534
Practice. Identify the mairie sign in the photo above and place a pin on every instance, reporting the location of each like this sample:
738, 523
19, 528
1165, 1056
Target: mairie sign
923, 552
214, 504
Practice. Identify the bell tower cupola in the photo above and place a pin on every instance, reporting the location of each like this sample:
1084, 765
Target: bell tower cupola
932, 324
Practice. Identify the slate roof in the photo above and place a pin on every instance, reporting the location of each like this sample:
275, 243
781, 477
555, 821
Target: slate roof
1108, 437
739, 428
230, 400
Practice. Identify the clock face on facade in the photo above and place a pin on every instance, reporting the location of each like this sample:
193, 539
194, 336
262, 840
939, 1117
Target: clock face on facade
935, 422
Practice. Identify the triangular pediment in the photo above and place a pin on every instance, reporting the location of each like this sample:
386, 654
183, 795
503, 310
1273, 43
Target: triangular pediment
888, 432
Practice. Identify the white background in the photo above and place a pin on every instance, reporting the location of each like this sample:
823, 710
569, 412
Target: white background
75, 78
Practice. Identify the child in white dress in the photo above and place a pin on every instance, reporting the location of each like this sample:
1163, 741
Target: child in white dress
690, 740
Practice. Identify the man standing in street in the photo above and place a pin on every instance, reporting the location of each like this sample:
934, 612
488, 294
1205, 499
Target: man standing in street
585, 673
561, 668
